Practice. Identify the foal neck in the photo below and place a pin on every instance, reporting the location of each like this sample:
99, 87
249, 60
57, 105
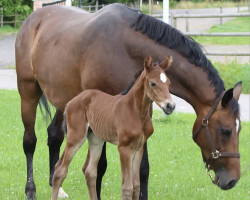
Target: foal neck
137, 96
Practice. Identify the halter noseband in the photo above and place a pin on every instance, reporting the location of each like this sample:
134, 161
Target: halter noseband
215, 154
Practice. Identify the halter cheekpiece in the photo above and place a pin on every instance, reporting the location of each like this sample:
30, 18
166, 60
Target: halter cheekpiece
215, 154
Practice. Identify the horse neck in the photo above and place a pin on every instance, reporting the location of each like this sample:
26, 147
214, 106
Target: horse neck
188, 81
137, 97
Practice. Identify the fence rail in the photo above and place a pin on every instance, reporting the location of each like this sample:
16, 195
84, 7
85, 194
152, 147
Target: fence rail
220, 15
15, 21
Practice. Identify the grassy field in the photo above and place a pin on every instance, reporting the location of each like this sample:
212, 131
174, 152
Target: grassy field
234, 72
8, 30
176, 168
239, 24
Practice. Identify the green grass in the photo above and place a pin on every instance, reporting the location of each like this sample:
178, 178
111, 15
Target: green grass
239, 24
8, 30
234, 72
176, 168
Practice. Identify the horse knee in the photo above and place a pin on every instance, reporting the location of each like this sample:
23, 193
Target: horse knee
127, 192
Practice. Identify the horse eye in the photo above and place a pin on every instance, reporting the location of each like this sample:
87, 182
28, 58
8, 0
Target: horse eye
152, 84
226, 132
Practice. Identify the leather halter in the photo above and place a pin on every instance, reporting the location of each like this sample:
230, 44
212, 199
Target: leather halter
215, 154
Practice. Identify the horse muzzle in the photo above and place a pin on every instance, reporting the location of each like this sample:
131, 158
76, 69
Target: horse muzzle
224, 181
168, 107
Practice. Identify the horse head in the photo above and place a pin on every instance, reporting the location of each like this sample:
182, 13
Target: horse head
157, 83
217, 134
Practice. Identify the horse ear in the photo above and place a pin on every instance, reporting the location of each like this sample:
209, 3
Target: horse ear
228, 96
148, 62
166, 63
237, 90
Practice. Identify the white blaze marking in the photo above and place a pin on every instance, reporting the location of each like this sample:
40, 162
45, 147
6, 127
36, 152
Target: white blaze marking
62, 194
237, 125
163, 77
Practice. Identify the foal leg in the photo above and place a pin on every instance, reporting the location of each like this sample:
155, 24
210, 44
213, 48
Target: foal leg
77, 134
90, 166
136, 173
55, 139
126, 157
144, 174
30, 93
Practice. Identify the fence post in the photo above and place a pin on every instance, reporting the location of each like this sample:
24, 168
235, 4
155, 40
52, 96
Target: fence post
175, 22
172, 18
96, 6
187, 22
238, 6
89, 8
220, 17
15, 20
1, 11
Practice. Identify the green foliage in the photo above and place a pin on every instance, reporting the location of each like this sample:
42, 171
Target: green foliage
239, 24
19, 6
176, 167
234, 72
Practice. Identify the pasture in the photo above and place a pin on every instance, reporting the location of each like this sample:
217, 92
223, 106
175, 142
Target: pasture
238, 24
176, 167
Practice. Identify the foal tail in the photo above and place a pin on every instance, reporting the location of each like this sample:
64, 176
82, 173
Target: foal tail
43, 102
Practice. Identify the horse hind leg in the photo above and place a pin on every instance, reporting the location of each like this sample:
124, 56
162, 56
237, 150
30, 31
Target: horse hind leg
76, 136
90, 166
30, 94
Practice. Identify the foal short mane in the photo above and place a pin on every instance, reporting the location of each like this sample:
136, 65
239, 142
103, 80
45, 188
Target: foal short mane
172, 38
124, 92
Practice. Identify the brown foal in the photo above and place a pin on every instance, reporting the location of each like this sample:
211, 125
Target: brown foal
123, 120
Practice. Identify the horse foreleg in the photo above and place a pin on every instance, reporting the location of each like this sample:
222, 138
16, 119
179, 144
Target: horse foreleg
90, 166
101, 169
55, 139
144, 174
126, 157
136, 173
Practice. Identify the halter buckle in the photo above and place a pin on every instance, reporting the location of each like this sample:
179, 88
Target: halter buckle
215, 154
204, 122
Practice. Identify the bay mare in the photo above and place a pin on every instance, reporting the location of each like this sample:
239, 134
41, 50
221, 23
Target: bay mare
123, 119
61, 51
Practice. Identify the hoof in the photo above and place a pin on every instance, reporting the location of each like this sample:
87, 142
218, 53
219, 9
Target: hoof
62, 194
31, 195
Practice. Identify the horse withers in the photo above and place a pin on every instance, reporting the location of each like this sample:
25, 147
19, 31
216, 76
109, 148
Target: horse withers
124, 120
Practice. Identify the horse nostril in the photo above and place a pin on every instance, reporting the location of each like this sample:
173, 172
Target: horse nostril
168, 106
232, 183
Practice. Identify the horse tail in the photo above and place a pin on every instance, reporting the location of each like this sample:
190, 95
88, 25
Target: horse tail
43, 103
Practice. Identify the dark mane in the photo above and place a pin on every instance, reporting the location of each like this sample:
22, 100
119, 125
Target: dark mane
124, 92
172, 38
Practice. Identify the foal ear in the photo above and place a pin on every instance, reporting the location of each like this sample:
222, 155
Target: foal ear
166, 63
237, 90
148, 61
228, 96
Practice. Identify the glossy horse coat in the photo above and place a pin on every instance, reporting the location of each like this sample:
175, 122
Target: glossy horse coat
123, 120
61, 51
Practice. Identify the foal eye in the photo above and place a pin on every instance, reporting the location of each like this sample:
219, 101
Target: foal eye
152, 84
226, 132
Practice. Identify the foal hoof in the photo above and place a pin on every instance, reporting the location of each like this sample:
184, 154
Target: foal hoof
62, 194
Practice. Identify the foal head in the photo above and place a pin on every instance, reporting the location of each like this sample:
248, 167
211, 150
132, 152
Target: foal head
157, 83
